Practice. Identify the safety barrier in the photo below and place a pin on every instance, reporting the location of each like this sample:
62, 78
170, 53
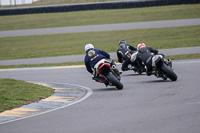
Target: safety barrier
93, 6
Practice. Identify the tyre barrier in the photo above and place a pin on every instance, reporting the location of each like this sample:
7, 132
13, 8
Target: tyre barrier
93, 6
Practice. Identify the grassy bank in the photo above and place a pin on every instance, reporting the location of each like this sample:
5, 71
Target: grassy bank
49, 20
184, 57
42, 65
14, 93
73, 43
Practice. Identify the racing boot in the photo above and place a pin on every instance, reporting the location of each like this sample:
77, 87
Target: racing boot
99, 79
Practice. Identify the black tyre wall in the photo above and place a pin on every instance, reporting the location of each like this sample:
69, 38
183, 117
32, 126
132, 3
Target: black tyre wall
114, 81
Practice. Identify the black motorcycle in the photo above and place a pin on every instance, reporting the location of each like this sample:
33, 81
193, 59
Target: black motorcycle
163, 68
139, 69
136, 65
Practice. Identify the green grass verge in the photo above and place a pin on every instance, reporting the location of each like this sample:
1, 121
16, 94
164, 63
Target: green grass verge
15, 93
184, 57
42, 65
49, 20
73, 43
174, 57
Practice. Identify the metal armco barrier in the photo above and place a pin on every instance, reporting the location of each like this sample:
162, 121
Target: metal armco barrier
93, 6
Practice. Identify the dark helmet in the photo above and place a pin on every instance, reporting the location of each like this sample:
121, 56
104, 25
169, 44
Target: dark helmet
122, 42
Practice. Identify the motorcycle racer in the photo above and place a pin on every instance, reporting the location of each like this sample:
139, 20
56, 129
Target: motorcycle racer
124, 53
94, 56
145, 55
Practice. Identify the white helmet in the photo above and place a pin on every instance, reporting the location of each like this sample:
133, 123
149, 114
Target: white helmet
88, 46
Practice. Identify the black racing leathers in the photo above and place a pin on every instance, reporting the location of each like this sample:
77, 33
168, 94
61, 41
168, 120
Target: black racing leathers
124, 54
145, 55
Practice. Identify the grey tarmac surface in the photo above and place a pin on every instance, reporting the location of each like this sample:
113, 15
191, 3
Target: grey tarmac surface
105, 27
145, 105
75, 58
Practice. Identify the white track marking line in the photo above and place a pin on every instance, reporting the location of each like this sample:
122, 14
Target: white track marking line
89, 92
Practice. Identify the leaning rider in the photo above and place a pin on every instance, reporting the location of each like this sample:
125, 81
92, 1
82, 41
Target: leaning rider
145, 54
92, 57
124, 53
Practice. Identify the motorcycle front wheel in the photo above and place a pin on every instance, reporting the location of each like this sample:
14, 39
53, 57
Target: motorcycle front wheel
114, 81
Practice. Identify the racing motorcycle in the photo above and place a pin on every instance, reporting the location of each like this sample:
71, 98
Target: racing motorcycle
137, 69
107, 73
136, 65
163, 68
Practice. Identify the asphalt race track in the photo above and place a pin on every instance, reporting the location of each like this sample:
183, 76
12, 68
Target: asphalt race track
145, 105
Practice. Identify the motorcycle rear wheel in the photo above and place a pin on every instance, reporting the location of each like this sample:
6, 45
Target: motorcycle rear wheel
169, 72
114, 81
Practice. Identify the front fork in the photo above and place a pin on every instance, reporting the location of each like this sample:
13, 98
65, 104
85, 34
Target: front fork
115, 71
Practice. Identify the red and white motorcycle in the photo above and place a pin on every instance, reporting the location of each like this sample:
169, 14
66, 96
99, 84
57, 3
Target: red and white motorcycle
106, 72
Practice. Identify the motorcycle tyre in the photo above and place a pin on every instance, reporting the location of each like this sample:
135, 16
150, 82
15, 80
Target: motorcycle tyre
114, 81
169, 72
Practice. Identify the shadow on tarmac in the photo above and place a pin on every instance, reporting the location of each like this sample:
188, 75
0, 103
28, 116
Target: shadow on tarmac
106, 89
157, 81
134, 74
